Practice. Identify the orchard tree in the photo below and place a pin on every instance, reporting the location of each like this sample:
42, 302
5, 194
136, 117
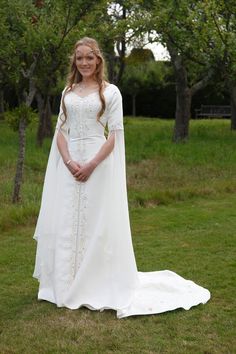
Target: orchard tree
31, 57
177, 25
219, 29
19, 60
116, 31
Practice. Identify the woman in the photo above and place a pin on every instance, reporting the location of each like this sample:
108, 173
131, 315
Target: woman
84, 249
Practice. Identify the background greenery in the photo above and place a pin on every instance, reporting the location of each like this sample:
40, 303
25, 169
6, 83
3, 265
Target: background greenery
182, 206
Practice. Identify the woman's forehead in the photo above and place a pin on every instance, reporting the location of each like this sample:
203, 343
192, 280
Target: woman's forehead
84, 50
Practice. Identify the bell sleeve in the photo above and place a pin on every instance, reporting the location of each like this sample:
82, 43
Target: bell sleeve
44, 232
118, 215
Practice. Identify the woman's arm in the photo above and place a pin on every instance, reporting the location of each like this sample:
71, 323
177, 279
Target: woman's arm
63, 149
86, 170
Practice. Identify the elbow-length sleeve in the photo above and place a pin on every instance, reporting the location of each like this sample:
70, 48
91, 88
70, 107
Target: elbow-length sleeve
44, 232
115, 112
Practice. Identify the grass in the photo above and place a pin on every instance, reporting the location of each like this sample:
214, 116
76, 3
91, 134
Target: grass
183, 215
160, 172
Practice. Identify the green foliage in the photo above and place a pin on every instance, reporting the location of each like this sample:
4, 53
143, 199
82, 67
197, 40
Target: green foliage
139, 56
219, 29
142, 72
202, 32
24, 112
44, 34
141, 76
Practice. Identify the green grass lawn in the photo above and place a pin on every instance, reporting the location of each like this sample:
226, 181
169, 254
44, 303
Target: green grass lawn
183, 215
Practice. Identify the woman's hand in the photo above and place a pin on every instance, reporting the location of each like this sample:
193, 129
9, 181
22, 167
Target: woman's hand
73, 167
85, 171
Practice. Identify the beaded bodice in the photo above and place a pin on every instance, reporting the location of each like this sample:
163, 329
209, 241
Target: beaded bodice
82, 113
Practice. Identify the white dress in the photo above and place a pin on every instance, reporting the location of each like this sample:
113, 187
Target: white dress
84, 253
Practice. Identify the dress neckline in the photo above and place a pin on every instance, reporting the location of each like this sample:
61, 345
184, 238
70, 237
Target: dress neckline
89, 94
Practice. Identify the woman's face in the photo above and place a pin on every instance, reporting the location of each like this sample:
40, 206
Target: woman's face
86, 61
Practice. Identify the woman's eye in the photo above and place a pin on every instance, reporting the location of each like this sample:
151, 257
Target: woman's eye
86, 58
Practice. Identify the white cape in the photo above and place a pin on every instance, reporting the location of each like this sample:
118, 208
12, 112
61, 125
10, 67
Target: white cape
84, 252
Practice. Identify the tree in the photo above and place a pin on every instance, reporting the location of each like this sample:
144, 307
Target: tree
177, 25
141, 72
219, 28
116, 32
19, 59
28, 57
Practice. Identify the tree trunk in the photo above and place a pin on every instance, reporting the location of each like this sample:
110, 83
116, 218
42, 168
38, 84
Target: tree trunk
183, 102
184, 93
121, 48
20, 161
110, 59
1, 104
134, 105
233, 107
45, 123
27, 98
183, 96
183, 112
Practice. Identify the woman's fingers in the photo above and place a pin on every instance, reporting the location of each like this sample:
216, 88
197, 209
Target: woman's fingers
83, 172
76, 173
73, 167
81, 178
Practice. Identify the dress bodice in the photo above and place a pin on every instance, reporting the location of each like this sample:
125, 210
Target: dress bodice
82, 113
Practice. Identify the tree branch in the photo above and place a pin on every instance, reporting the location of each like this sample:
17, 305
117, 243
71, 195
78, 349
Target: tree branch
67, 29
202, 83
28, 73
218, 29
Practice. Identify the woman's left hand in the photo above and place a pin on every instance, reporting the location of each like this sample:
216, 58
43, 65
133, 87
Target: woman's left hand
84, 172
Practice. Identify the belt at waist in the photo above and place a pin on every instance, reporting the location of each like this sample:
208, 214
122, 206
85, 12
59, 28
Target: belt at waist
87, 138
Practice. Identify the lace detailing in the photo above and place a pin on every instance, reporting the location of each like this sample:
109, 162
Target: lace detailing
116, 126
79, 229
82, 223
82, 113
75, 206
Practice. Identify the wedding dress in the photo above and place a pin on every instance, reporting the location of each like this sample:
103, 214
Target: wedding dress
84, 253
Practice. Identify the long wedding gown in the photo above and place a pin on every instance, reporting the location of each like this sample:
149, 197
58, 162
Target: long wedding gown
84, 251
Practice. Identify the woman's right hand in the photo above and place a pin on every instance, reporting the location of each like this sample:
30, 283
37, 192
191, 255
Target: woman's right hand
73, 167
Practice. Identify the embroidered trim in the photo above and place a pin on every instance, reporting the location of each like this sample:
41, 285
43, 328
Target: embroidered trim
117, 126
79, 231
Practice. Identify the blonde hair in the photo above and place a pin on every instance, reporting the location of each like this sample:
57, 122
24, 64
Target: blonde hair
75, 77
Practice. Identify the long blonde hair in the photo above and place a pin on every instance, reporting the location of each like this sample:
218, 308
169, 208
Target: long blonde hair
75, 77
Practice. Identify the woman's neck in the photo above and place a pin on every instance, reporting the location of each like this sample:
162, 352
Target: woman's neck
88, 81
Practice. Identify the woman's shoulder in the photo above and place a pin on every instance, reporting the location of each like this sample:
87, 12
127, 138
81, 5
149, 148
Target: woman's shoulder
66, 88
111, 90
